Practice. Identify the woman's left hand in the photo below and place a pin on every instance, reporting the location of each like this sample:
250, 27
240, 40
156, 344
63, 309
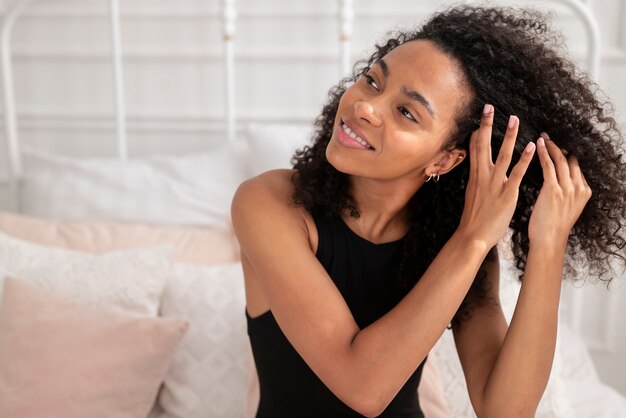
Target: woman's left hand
562, 197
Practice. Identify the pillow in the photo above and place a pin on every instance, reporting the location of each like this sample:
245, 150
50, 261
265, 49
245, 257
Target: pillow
129, 281
209, 373
96, 235
271, 146
59, 358
191, 245
194, 189
430, 390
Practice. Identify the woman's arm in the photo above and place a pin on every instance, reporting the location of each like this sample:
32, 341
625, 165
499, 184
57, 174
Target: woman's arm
390, 349
525, 360
521, 371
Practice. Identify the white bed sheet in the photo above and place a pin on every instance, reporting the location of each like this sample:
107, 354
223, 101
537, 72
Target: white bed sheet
588, 396
595, 400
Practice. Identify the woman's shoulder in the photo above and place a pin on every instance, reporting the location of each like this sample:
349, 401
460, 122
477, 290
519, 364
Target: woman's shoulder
278, 180
279, 186
276, 184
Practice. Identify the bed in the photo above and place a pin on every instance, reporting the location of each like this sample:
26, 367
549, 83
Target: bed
96, 252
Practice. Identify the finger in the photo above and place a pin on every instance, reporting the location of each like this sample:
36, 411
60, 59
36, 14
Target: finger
574, 170
587, 186
472, 152
508, 144
484, 134
515, 179
560, 162
483, 143
547, 166
584, 180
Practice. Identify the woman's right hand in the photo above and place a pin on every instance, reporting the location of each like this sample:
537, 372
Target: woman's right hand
491, 197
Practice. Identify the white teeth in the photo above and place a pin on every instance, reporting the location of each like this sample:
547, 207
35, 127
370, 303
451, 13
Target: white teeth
354, 136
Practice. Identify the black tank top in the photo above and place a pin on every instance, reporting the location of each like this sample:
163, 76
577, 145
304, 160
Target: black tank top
365, 274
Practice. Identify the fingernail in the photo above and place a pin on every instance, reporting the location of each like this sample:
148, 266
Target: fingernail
541, 142
530, 147
545, 135
512, 121
487, 109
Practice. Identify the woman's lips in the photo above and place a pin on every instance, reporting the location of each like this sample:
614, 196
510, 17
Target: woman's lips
356, 131
347, 141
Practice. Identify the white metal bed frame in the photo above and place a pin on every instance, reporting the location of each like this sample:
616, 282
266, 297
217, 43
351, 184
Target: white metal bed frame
345, 15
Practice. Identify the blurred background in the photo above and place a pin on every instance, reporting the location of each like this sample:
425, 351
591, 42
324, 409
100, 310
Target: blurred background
286, 59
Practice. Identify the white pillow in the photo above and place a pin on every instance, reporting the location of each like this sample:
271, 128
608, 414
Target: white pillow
271, 146
194, 189
129, 281
554, 403
209, 373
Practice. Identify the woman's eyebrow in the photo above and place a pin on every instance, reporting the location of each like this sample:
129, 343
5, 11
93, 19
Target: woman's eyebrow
384, 67
411, 94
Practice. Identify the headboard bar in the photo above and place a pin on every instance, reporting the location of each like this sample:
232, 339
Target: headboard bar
12, 12
346, 19
118, 77
583, 10
10, 117
228, 27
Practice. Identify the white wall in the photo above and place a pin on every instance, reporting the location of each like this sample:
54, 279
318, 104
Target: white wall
286, 60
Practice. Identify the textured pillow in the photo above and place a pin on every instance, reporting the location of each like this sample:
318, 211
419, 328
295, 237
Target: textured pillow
129, 281
201, 245
272, 145
59, 358
209, 372
90, 236
193, 189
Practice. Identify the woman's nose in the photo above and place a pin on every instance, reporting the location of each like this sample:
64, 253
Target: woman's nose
365, 112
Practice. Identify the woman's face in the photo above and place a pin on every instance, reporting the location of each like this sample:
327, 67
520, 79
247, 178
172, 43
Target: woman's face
404, 107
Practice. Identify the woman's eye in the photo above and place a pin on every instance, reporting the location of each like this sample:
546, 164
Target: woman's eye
406, 113
369, 80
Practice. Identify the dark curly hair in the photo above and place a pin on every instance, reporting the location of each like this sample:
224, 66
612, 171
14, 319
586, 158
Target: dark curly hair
513, 62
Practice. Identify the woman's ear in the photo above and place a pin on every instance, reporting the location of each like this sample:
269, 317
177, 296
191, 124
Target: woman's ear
449, 161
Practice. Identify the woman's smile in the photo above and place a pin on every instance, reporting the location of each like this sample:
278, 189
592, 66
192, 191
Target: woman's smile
350, 139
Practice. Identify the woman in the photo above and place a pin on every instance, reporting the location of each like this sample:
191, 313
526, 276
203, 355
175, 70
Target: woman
385, 231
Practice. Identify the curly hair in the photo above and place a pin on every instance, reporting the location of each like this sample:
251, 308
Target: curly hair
511, 60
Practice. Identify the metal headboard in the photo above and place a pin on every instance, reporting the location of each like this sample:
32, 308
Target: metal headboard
228, 16
345, 15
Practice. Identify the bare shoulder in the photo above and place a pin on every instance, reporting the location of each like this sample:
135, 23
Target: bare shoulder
268, 198
279, 183
274, 189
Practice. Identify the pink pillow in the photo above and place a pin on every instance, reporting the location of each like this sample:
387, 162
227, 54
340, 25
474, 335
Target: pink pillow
59, 358
430, 390
202, 245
